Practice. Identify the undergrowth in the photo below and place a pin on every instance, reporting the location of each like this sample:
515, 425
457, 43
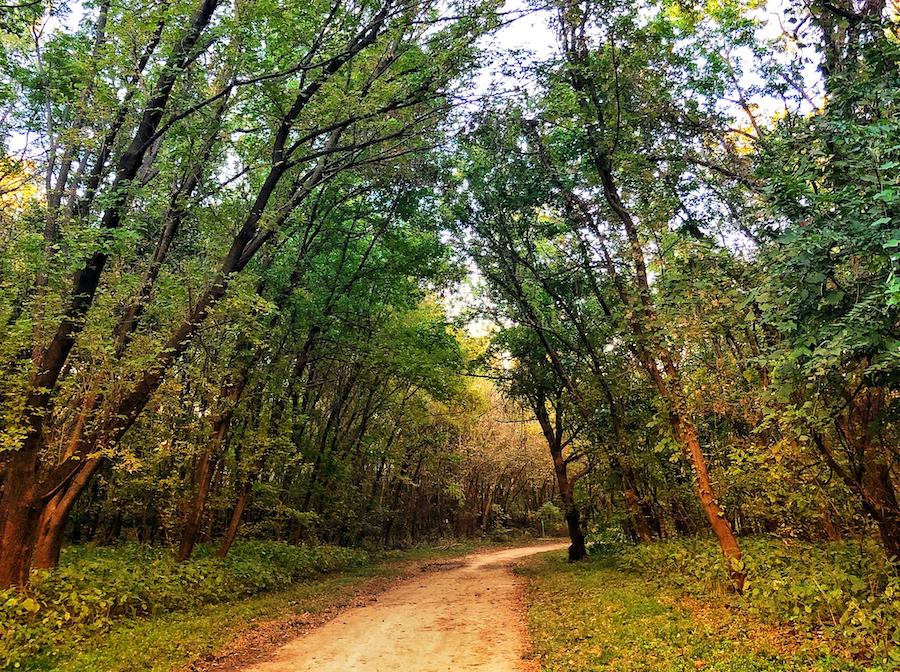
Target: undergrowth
95, 587
600, 616
848, 590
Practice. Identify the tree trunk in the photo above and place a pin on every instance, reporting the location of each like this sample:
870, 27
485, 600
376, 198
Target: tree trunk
49, 542
52, 524
874, 487
202, 478
889, 528
20, 510
553, 431
686, 433
577, 550
203, 471
881, 503
641, 528
17, 541
235, 522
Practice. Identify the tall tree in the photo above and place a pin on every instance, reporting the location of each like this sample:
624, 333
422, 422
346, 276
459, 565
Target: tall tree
222, 120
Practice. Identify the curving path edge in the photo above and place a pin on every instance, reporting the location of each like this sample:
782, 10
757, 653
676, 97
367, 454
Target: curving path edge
470, 617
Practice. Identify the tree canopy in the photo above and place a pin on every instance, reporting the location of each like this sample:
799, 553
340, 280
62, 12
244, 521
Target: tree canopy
235, 236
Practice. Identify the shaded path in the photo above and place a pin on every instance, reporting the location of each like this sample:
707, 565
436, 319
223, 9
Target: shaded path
467, 618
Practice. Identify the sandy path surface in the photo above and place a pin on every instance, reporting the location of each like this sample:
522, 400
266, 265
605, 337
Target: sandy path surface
466, 618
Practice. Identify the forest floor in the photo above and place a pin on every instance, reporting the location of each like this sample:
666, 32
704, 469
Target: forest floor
596, 616
467, 615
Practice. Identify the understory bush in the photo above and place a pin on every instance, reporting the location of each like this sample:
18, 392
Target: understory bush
849, 588
94, 586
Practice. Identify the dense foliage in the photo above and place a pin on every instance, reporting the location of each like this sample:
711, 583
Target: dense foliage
627, 614
221, 281
844, 588
686, 230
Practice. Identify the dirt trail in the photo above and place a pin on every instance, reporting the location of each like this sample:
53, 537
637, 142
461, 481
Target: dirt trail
466, 618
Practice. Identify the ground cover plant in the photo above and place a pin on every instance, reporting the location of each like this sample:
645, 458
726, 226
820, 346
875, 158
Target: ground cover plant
848, 589
93, 588
667, 606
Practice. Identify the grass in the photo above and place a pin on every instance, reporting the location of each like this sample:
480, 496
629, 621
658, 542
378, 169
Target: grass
595, 616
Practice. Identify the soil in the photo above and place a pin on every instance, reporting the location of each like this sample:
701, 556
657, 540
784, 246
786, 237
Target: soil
468, 617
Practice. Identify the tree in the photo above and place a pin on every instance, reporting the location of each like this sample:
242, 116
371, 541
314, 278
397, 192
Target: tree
827, 296
172, 160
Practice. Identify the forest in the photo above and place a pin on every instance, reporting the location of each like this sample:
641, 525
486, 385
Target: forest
296, 289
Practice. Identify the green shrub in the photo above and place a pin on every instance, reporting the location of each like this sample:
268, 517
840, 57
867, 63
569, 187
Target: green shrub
846, 587
606, 539
93, 587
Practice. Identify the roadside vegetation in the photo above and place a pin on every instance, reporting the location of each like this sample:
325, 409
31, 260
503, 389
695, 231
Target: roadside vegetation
664, 607
846, 591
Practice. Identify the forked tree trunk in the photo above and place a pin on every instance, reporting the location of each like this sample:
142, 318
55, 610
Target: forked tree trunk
577, 549
52, 524
554, 436
203, 472
22, 500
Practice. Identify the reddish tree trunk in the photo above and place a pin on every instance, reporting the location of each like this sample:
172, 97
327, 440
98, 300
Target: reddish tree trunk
52, 524
49, 541
235, 522
20, 510
203, 472
687, 436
